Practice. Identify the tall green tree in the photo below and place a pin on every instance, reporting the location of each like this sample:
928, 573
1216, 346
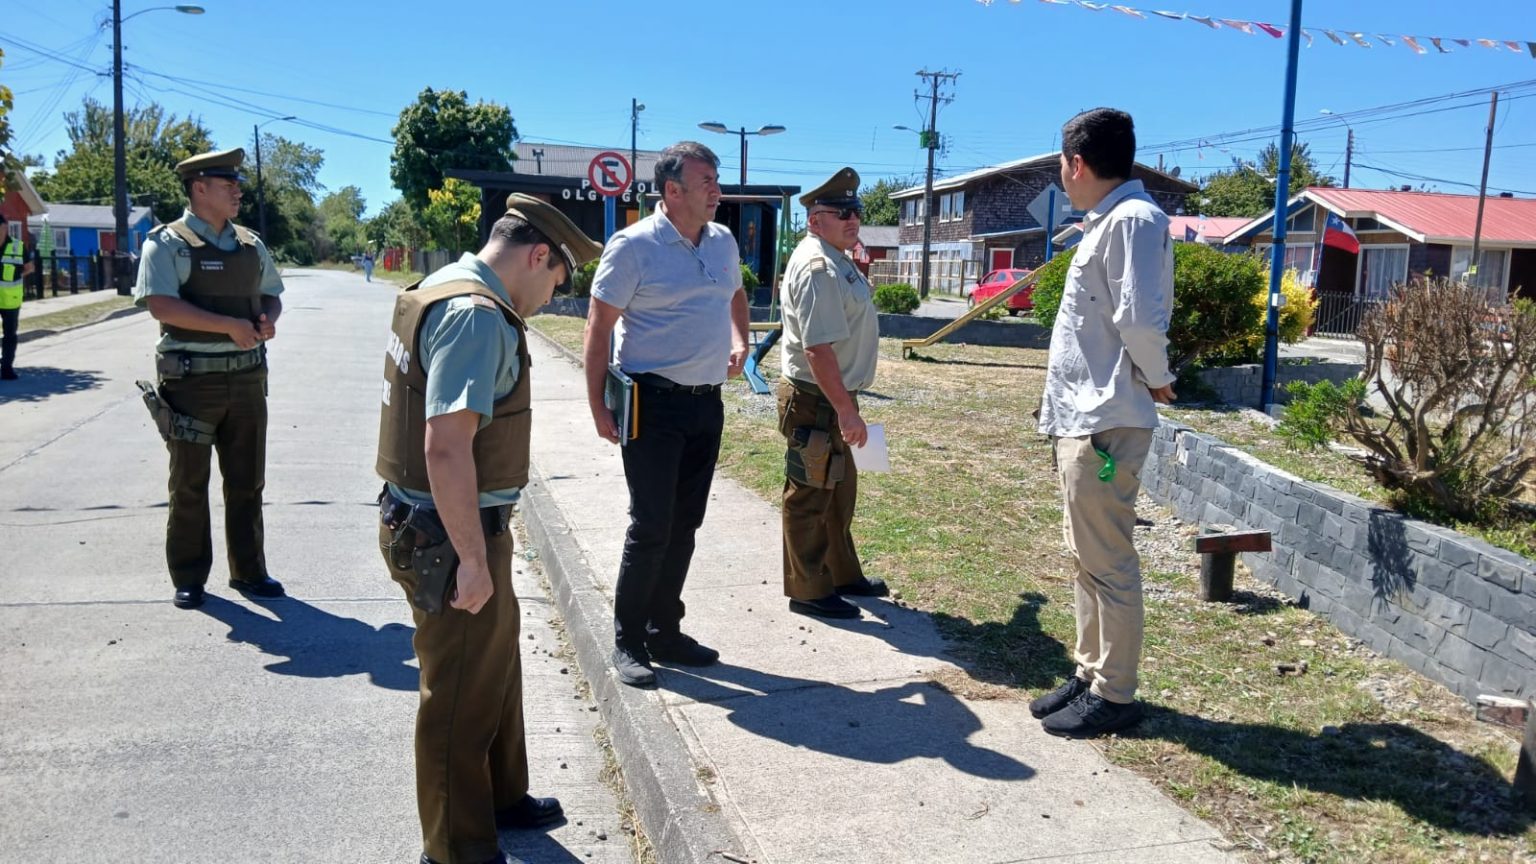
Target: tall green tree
396, 225
153, 141
289, 182
879, 209
451, 214
1246, 189
441, 130
341, 214
8, 161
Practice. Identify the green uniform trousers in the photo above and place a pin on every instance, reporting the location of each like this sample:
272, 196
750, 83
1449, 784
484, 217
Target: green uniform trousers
471, 758
819, 553
235, 403
1098, 519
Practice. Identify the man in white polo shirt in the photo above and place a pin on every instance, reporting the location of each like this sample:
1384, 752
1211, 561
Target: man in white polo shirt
1107, 367
669, 286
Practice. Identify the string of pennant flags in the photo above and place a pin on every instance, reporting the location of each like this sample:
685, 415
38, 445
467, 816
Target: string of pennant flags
1338, 36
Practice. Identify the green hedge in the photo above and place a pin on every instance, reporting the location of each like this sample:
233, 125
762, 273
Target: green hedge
898, 299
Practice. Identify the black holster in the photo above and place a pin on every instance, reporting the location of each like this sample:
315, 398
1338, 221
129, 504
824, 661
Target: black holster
419, 542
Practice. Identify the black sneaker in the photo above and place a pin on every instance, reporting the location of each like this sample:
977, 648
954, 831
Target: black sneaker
633, 667
865, 588
530, 812
830, 606
1091, 715
1057, 699
682, 649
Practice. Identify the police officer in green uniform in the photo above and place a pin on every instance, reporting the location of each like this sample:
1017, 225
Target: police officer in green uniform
13, 266
453, 450
215, 291
831, 343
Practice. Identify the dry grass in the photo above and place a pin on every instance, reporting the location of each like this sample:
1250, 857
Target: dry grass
74, 316
1357, 760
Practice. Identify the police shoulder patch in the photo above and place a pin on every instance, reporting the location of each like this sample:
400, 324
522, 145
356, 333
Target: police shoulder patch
484, 302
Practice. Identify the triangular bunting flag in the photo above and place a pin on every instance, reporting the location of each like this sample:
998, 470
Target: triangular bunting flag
1360, 39
1270, 29
1129, 11
1238, 25
1058, 2
1438, 47
1488, 43
1177, 16
1532, 46
1097, 7
1465, 43
1414, 44
1307, 35
1334, 36
1513, 46
1387, 40
1204, 20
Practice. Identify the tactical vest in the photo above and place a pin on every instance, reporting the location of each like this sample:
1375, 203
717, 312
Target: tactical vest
500, 449
224, 283
10, 274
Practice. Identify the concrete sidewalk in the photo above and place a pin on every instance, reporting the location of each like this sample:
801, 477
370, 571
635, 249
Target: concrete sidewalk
813, 741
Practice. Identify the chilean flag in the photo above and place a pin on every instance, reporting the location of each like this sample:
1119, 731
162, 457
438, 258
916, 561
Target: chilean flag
1337, 233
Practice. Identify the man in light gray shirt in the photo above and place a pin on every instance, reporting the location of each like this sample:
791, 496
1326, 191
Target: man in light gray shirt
1108, 367
671, 286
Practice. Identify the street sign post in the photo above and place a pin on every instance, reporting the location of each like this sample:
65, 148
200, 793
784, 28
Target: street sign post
609, 173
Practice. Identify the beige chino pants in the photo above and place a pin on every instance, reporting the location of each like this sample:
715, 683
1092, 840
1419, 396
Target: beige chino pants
1098, 517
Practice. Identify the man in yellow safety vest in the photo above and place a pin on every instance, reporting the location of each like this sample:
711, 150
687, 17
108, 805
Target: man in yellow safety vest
13, 266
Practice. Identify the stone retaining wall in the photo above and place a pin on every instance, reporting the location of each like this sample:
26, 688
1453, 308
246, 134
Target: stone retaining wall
1454, 608
1239, 385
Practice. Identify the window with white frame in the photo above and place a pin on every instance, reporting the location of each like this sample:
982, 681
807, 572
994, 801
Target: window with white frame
1492, 267
13, 228
1298, 256
1381, 269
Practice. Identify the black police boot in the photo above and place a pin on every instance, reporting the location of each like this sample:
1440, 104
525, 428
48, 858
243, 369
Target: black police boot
266, 586
530, 812
830, 606
188, 598
681, 649
865, 588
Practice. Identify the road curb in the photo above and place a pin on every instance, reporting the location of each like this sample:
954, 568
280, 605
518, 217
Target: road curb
682, 819
30, 335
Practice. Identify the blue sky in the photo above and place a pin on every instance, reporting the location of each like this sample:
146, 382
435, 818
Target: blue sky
839, 75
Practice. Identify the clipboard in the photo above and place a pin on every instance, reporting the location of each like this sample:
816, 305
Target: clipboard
622, 397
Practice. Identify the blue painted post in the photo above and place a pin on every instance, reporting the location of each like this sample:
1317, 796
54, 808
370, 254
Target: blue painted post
1282, 196
1050, 223
610, 217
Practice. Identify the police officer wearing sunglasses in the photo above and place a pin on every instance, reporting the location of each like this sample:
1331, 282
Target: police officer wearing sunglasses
831, 343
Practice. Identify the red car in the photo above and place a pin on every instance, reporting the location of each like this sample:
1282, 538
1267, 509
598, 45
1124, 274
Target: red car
996, 282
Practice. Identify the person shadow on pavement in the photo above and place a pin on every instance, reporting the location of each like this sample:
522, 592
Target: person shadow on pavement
1014, 654
39, 383
911, 720
1428, 779
318, 644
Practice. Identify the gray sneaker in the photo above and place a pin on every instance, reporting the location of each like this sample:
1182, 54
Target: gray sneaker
633, 667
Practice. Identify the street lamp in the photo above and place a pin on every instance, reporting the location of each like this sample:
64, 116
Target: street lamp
261, 199
725, 130
119, 158
1349, 142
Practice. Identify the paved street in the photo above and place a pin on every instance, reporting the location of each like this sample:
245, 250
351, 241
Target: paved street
251, 732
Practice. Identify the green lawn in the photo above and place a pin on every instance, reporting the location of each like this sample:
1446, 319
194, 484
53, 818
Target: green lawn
1358, 759
73, 316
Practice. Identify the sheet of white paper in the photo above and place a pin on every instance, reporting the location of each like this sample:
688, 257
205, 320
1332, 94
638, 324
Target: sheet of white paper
873, 456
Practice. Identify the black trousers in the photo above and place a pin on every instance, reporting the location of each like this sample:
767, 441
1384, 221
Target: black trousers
669, 469
236, 403
10, 320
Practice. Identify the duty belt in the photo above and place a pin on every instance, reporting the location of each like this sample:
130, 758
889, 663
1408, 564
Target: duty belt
180, 364
658, 382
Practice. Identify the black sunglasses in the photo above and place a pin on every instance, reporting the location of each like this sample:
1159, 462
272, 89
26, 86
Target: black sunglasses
843, 214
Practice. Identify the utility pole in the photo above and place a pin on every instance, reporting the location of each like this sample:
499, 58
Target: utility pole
634, 167
1349, 154
261, 199
1482, 190
119, 159
932, 135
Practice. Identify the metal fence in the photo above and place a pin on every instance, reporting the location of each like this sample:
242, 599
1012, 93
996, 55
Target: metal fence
945, 276
1341, 314
56, 274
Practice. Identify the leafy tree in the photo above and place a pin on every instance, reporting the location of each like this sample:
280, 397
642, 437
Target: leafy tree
879, 209
441, 130
1246, 190
451, 214
153, 141
289, 181
8, 161
396, 225
341, 213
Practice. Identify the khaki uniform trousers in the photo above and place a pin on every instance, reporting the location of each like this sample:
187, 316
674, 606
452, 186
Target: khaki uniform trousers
471, 758
819, 554
1099, 517
236, 404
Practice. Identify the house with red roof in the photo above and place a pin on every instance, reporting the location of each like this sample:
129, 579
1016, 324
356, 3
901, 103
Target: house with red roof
1401, 235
